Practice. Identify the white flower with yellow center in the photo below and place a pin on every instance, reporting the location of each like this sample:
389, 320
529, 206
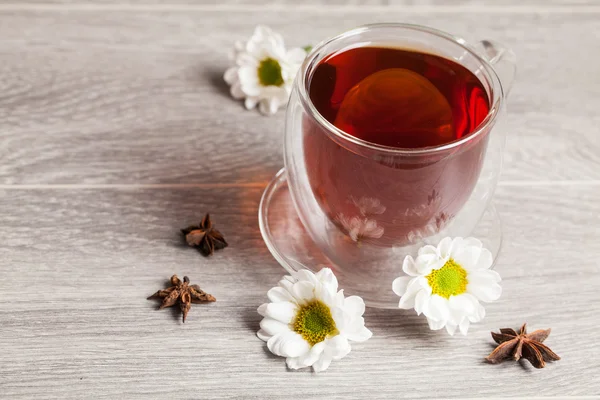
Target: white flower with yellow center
310, 322
446, 283
264, 71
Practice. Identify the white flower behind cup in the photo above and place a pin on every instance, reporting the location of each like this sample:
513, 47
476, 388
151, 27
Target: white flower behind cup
369, 206
310, 322
263, 71
446, 283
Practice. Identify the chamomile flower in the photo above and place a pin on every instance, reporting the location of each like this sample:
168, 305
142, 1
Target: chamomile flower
360, 228
447, 283
310, 322
264, 71
369, 206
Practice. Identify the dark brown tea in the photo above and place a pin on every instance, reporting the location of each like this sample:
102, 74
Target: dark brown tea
398, 98
401, 99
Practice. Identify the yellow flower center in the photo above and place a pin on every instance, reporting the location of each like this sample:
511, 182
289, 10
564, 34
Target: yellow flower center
314, 322
449, 280
269, 72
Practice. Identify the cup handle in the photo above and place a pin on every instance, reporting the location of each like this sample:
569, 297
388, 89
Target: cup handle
502, 59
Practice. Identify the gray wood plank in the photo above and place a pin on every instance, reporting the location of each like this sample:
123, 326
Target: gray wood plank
471, 4
76, 268
137, 97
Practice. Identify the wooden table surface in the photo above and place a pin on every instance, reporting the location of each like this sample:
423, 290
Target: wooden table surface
116, 130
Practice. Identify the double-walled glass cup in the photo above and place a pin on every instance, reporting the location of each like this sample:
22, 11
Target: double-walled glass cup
366, 206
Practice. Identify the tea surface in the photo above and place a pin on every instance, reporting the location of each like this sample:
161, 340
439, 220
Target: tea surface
398, 98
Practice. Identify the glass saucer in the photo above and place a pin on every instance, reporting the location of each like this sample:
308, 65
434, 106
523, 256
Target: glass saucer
292, 246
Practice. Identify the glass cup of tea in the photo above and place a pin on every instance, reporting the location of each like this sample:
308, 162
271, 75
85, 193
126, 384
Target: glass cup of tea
393, 140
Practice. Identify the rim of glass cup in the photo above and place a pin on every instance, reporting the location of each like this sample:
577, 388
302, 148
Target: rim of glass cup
489, 74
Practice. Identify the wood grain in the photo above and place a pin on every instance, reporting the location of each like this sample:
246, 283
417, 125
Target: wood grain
514, 5
137, 97
76, 268
111, 112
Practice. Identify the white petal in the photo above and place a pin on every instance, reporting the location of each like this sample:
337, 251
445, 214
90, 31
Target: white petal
248, 75
262, 335
261, 32
274, 50
278, 40
496, 275
371, 229
341, 318
351, 324
464, 326
467, 257
251, 89
259, 37
306, 275
409, 267
444, 247
457, 244
428, 250
408, 300
486, 260
437, 308
426, 262
288, 344
283, 312
323, 362
287, 284
471, 241
250, 103
313, 355
268, 106
279, 294
274, 106
478, 315
463, 304
337, 346
303, 291
231, 75
451, 327
326, 276
421, 301
354, 305
400, 285
272, 327
263, 106
485, 293
262, 309
359, 335
484, 277
307, 359
435, 325
295, 362
244, 59
236, 91
339, 299
296, 55
326, 294
288, 73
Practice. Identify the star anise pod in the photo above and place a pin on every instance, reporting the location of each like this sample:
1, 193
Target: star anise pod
184, 293
204, 236
527, 345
